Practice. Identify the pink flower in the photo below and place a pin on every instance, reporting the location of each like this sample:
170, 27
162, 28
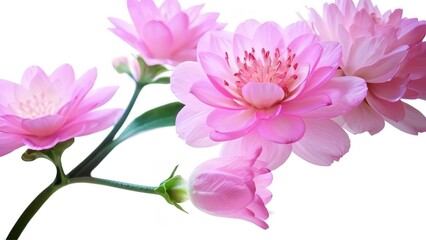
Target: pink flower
233, 187
165, 34
44, 110
266, 86
385, 50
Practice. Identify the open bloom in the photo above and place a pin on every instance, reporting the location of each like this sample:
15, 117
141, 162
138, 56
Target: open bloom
267, 86
233, 187
44, 110
387, 51
165, 34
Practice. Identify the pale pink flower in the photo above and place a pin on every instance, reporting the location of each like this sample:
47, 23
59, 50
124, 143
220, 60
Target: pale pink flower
387, 51
165, 34
45, 110
233, 187
266, 86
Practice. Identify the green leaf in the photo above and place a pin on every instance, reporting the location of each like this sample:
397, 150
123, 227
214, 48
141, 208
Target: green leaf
162, 116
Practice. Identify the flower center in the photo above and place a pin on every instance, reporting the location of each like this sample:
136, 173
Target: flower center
36, 105
266, 68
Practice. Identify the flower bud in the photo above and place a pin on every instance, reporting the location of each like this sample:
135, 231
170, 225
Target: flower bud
233, 187
174, 190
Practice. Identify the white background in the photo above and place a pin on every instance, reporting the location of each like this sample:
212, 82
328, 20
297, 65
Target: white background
376, 191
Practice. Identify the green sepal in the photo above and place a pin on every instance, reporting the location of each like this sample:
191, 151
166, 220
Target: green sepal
149, 73
174, 190
50, 154
162, 80
162, 116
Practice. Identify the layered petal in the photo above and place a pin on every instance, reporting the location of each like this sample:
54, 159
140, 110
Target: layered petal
323, 143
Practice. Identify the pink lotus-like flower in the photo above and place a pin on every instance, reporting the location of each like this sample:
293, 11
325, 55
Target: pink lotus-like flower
387, 51
44, 110
165, 34
267, 86
233, 187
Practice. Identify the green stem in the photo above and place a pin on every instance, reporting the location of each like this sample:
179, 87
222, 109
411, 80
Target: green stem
95, 158
59, 182
115, 184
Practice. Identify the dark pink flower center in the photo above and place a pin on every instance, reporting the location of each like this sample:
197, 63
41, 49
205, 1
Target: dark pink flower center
266, 68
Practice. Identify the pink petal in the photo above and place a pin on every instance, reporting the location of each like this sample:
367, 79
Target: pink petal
283, 129
258, 208
191, 125
319, 76
156, 36
306, 104
262, 95
220, 194
218, 72
207, 94
295, 30
94, 99
414, 121
182, 79
141, 12
217, 42
310, 55
40, 143
171, 7
324, 142
274, 154
268, 36
62, 80
301, 43
43, 126
7, 95
215, 66
85, 83
124, 27
37, 75
240, 45
89, 123
362, 119
384, 69
12, 124
248, 215
9, 143
247, 28
232, 121
194, 11
331, 55
345, 93
391, 110
390, 91
179, 25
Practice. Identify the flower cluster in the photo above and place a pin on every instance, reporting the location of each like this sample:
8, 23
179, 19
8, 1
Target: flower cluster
262, 91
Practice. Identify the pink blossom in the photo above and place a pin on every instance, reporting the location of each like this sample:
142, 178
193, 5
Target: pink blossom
268, 86
233, 187
387, 51
44, 110
165, 34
